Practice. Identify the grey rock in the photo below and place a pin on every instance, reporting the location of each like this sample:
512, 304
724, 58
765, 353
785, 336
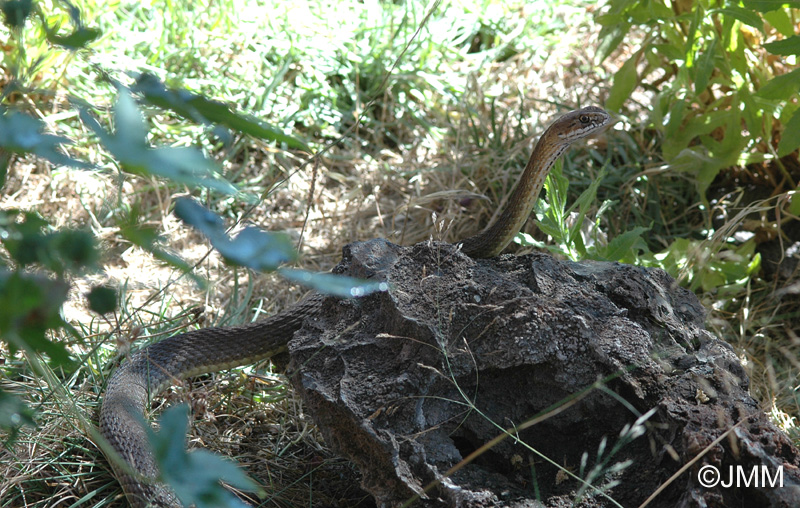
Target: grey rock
410, 382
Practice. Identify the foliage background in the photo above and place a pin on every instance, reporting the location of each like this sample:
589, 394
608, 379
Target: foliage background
335, 122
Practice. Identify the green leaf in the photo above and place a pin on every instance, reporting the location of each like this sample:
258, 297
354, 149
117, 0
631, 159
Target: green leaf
30, 305
333, 284
20, 133
15, 12
13, 415
622, 246
128, 145
704, 68
770, 5
693, 33
794, 205
102, 299
194, 476
199, 109
625, 81
746, 16
252, 247
583, 204
76, 40
551, 221
786, 47
670, 52
752, 114
697, 161
790, 138
147, 238
79, 38
29, 240
611, 35
781, 21
676, 116
780, 87
128, 121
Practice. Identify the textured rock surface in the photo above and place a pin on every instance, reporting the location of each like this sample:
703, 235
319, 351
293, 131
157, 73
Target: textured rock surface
410, 382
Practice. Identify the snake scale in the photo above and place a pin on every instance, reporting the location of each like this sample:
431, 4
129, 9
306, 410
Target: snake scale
157, 366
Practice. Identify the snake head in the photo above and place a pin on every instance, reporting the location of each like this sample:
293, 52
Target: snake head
579, 124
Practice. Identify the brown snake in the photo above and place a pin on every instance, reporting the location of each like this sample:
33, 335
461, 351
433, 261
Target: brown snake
157, 366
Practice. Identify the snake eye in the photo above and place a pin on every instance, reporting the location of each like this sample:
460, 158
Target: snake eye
584, 119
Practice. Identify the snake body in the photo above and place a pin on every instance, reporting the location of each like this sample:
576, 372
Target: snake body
157, 366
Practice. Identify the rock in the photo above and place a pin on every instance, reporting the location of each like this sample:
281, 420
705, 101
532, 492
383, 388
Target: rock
410, 382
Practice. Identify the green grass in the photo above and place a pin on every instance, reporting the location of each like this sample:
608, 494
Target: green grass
416, 115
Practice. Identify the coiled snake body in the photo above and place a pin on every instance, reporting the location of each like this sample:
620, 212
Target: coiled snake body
208, 350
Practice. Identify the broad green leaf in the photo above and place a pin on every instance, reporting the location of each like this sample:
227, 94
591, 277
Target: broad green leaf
794, 205
621, 246
252, 247
790, 138
751, 113
199, 109
711, 280
527, 240
770, 5
732, 144
781, 87
746, 16
20, 133
625, 81
675, 118
786, 47
781, 21
697, 161
659, 11
333, 284
194, 476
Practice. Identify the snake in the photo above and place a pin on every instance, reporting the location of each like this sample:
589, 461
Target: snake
157, 366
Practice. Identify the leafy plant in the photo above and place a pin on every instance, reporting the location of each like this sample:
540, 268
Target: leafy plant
573, 237
37, 260
261, 250
723, 97
194, 475
698, 264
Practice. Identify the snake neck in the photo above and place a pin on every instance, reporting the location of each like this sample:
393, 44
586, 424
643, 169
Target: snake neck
491, 241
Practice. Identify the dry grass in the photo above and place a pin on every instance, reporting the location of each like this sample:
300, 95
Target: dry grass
381, 192
460, 167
